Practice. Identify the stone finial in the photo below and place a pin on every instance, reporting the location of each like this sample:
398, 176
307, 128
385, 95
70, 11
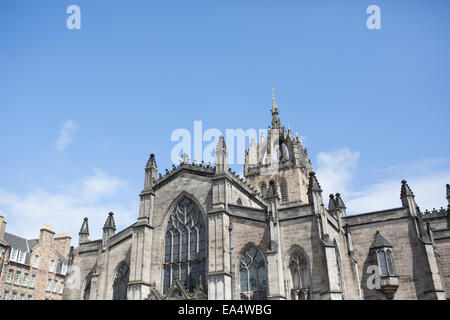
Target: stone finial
313, 183
185, 158
339, 203
110, 224
221, 156
84, 232
406, 190
84, 227
151, 163
275, 120
332, 203
448, 193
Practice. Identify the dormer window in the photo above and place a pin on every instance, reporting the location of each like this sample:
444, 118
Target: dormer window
385, 262
382, 250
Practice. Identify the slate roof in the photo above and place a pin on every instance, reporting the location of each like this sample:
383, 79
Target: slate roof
26, 245
380, 242
32, 243
61, 257
16, 241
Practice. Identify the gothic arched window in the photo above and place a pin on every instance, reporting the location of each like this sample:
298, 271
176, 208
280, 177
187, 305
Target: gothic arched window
239, 202
263, 188
272, 188
339, 270
87, 288
121, 282
253, 275
300, 277
284, 190
185, 246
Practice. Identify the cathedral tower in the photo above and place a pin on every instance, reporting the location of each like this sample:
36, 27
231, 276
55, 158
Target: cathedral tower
278, 161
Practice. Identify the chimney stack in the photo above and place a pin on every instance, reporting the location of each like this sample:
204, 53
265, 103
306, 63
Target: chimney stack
47, 234
2, 227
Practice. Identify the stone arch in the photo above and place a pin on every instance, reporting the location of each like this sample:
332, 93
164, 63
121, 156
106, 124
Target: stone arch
184, 244
340, 272
263, 188
299, 273
253, 273
284, 190
272, 188
121, 278
87, 286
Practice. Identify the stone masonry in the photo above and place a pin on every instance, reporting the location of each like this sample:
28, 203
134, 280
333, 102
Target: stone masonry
203, 232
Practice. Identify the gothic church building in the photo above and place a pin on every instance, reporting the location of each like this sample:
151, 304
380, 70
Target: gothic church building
205, 233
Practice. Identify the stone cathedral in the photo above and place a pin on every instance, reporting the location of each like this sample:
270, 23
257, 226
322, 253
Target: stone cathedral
203, 232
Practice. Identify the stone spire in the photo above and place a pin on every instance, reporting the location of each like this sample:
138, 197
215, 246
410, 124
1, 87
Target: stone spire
341, 208
108, 229
275, 120
448, 193
315, 193
221, 156
407, 197
313, 183
110, 224
406, 190
332, 203
448, 205
339, 203
151, 170
84, 232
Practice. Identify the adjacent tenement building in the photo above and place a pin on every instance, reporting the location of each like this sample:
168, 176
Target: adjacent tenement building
33, 269
202, 232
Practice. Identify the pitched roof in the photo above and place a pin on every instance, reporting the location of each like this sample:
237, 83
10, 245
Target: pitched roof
380, 242
61, 257
16, 241
32, 243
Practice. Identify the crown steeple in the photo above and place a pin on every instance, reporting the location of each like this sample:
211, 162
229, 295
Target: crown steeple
275, 120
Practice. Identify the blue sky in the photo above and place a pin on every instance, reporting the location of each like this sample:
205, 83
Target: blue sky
81, 110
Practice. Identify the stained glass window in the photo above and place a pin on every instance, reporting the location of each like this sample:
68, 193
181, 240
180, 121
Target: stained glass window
298, 268
253, 275
121, 282
185, 246
87, 288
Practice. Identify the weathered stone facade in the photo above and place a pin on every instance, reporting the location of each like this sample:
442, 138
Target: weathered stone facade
33, 269
204, 232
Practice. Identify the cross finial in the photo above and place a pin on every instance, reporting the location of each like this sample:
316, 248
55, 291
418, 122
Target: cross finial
185, 158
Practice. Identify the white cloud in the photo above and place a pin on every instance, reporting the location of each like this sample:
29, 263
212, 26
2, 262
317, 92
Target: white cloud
66, 135
426, 177
429, 191
92, 197
336, 170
